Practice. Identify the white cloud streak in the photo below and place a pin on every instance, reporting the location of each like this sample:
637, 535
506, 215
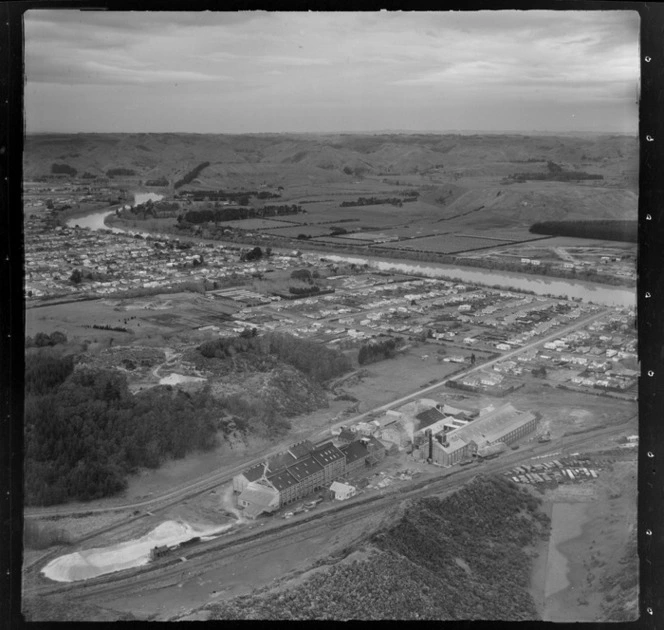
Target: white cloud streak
239, 62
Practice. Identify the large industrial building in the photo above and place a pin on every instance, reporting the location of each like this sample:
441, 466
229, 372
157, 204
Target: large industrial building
301, 470
448, 445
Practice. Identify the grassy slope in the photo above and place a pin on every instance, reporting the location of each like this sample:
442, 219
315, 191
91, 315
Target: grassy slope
467, 171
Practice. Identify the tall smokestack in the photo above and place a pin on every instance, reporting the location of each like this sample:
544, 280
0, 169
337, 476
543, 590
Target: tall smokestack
429, 434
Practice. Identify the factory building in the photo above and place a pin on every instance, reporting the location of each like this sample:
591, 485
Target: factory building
505, 424
257, 498
275, 463
288, 477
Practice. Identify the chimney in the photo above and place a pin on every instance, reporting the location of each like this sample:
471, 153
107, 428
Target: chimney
429, 434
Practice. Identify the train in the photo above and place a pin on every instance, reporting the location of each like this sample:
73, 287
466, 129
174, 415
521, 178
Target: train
163, 550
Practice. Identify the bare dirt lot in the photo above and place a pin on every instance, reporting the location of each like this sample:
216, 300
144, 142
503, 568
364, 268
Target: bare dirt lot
592, 525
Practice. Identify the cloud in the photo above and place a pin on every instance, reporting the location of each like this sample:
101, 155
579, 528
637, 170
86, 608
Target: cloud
369, 61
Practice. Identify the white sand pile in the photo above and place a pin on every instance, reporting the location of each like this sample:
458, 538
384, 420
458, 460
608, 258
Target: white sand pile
174, 379
133, 553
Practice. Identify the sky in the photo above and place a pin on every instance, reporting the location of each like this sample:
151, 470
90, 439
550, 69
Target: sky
254, 72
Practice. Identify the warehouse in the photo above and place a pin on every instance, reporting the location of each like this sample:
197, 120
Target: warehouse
289, 476
274, 464
257, 498
356, 455
505, 424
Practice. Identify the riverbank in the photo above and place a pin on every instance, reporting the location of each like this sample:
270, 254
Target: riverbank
581, 568
606, 295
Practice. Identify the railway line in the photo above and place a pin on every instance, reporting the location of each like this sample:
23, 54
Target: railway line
276, 534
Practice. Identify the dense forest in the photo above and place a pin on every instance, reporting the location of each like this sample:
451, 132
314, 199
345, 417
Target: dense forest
63, 169
216, 215
84, 431
461, 557
43, 339
609, 230
374, 201
377, 350
563, 176
317, 362
120, 172
191, 175
555, 173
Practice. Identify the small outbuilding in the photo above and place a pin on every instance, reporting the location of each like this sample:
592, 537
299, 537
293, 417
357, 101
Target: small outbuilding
342, 491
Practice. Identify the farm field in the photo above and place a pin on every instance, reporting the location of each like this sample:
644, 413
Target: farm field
295, 230
446, 244
258, 224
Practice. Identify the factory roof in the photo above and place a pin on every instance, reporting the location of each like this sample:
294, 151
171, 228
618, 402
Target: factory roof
300, 449
305, 468
253, 473
492, 426
280, 461
354, 451
455, 411
282, 480
347, 435
259, 495
429, 416
327, 453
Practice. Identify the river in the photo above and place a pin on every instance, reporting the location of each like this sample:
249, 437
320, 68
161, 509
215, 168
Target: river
586, 291
96, 220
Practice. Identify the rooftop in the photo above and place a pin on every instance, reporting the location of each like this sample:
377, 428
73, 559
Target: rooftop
282, 480
354, 451
259, 495
492, 426
300, 449
429, 416
305, 468
327, 453
337, 486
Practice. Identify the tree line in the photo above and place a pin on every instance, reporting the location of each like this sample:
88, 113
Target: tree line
227, 195
191, 175
120, 172
609, 230
316, 361
63, 169
215, 215
85, 432
377, 350
43, 339
374, 201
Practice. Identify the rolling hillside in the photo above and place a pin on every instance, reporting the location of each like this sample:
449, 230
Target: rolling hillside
455, 174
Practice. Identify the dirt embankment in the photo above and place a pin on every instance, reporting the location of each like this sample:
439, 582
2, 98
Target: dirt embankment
588, 569
460, 557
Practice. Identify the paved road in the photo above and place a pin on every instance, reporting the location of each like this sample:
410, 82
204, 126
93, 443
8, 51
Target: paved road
226, 474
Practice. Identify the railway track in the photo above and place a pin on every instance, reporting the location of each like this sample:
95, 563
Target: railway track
205, 554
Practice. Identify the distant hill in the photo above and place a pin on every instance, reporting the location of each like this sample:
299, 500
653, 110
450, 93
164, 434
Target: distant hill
461, 557
173, 154
455, 173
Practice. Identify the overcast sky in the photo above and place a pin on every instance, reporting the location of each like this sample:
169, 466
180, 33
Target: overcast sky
274, 72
